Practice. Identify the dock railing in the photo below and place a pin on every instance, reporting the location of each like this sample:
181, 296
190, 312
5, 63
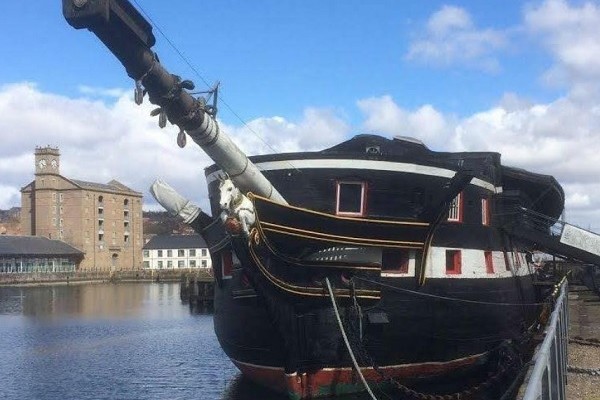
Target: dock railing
547, 378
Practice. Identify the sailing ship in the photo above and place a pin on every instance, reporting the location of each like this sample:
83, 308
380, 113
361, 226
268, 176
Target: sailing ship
375, 262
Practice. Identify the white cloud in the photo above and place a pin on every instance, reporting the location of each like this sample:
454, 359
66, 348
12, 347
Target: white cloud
384, 116
570, 33
318, 129
451, 38
101, 140
103, 92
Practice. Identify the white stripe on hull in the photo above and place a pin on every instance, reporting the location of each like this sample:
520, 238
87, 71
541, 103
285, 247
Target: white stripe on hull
372, 165
472, 265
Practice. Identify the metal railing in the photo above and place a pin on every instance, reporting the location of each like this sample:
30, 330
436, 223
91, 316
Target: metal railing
548, 376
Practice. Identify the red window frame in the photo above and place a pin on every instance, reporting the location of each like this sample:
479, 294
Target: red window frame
485, 211
453, 262
489, 262
363, 199
226, 264
456, 204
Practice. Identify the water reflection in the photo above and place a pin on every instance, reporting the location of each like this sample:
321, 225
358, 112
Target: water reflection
113, 341
93, 301
243, 389
105, 341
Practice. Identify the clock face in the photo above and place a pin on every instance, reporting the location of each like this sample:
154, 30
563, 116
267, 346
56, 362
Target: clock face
42, 164
54, 164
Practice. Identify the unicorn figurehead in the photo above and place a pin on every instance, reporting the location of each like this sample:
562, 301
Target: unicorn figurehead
235, 205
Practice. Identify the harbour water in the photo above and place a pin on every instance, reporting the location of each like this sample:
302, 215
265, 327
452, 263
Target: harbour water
112, 341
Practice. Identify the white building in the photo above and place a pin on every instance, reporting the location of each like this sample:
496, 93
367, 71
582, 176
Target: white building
176, 251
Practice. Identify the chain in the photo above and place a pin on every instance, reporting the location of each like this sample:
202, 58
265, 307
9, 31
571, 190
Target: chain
582, 370
585, 342
508, 361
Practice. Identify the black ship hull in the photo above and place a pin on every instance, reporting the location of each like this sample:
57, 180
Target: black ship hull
424, 294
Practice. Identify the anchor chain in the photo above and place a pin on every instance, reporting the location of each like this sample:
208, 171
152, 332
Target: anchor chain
583, 370
508, 361
585, 342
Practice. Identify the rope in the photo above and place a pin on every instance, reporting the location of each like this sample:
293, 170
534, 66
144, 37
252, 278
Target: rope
449, 298
339, 320
189, 64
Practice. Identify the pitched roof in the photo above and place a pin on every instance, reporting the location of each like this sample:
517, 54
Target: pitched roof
113, 186
35, 245
160, 242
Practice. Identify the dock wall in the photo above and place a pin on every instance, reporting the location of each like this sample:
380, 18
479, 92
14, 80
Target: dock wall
43, 278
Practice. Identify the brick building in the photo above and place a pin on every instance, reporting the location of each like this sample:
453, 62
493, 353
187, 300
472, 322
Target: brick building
102, 220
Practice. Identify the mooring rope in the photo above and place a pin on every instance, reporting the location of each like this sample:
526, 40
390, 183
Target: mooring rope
339, 320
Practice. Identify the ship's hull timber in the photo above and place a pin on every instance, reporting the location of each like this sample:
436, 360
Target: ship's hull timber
406, 308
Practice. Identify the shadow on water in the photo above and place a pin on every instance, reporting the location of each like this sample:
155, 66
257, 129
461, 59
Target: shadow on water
242, 388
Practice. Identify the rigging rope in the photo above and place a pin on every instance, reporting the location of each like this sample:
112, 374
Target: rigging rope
339, 320
189, 64
448, 298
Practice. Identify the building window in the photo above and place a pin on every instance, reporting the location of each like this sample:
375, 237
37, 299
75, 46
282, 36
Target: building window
125, 202
160, 253
489, 262
146, 264
203, 252
181, 264
455, 209
146, 253
125, 238
485, 212
100, 223
160, 264
350, 198
204, 265
453, 262
180, 253
100, 199
169, 264
126, 225
192, 263
60, 197
126, 214
192, 252
100, 211
169, 253
100, 237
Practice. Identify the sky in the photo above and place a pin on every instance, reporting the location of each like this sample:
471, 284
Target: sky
519, 78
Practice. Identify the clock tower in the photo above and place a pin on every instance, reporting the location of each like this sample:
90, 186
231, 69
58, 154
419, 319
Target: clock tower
47, 160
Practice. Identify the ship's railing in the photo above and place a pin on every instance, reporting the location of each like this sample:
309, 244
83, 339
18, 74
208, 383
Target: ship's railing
547, 378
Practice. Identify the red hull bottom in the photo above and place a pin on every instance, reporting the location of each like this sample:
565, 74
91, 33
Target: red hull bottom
328, 382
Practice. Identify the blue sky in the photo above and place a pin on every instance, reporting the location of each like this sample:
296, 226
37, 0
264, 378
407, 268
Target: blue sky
515, 77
